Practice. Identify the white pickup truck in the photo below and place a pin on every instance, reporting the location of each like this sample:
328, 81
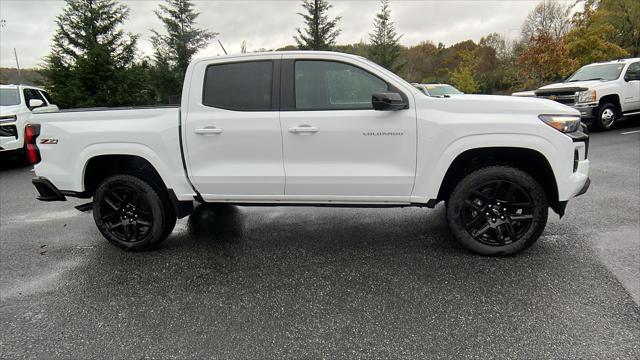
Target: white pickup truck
602, 92
317, 129
17, 102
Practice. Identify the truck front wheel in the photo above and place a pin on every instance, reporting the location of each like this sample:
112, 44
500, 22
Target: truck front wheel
497, 210
130, 213
606, 117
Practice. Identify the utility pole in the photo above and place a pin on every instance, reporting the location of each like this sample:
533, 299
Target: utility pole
15, 53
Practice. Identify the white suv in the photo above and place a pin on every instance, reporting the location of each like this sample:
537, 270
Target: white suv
16, 104
602, 92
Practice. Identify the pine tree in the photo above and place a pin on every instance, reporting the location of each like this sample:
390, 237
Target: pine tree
92, 60
174, 50
321, 31
385, 42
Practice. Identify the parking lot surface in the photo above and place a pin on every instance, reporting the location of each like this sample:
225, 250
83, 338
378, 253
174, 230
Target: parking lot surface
251, 282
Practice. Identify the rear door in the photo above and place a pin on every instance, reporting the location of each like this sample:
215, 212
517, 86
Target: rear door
232, 130
335, 145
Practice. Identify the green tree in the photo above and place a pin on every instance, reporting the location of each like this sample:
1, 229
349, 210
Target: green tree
321, 31
91, 62
463, 76
174, 50
604, 28
385, 42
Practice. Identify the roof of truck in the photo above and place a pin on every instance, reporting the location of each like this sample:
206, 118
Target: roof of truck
276, 53
17, 86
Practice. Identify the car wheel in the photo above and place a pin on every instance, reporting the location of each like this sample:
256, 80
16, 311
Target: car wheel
497, 210
607, 116
130, 213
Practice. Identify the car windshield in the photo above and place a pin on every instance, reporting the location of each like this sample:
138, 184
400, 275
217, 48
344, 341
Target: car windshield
9, 97
440, 90
597, 72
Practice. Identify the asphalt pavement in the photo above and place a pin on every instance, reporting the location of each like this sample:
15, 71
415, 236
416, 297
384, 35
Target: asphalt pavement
291, 282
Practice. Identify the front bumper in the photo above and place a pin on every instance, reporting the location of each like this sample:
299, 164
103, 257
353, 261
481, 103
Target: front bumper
46, 190
587, 111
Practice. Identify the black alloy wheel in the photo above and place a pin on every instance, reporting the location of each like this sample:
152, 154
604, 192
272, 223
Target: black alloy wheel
498, 213
130, 213
497, 210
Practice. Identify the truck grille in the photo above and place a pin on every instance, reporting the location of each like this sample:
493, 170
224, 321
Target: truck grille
563, 99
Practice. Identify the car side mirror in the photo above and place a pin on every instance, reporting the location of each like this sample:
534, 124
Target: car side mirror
34, 103
388, 101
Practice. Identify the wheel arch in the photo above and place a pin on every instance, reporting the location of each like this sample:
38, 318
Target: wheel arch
528, 160
611, 98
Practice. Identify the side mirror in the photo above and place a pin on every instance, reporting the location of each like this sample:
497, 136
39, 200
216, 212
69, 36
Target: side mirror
34, 103
388, 101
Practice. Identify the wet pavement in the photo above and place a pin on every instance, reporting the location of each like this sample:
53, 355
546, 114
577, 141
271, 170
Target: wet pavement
289, 282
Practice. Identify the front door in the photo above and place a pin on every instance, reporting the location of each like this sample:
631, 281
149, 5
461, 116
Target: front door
233, 137
631, 91
335, 145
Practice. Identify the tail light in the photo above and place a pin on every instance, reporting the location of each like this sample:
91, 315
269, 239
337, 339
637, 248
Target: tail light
31, 134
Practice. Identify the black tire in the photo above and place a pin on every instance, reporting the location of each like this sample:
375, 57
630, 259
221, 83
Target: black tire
606, 117
130, 213
497, 210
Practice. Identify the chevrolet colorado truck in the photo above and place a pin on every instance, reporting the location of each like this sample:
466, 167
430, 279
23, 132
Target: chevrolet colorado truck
602, 92
316, 129
17, 102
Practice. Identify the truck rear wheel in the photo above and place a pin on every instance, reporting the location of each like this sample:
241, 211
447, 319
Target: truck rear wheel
497, 210
130, 213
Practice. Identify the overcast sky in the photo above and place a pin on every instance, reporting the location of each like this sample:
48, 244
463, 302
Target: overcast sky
29, 25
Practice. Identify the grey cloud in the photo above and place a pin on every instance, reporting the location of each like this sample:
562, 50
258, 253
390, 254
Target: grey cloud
271, 24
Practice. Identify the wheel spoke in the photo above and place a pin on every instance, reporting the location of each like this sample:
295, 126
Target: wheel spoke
500, 235
510, 191
115, 225
482, 230
109, 217
127, 232
473, 205
143, 223
111, 203
512, 232
521, 217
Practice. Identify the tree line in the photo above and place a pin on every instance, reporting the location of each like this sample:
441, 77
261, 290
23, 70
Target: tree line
93, 62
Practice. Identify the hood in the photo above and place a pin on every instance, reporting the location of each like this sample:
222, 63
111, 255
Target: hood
10, 110
498, 104
574, 84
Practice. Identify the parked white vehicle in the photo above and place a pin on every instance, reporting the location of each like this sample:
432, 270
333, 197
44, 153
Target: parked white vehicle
602, 92
317, 129
16, 105
437, 90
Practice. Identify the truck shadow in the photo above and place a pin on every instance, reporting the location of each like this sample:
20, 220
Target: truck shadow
11, 161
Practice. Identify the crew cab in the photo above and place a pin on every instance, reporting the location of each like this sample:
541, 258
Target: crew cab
16, 104
316, 129
602, 92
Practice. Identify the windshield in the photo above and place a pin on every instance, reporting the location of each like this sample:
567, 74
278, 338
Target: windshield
440, 90
9, 97
597, 72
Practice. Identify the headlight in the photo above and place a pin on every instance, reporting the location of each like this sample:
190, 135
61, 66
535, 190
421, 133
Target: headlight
562, 123
7, 119
587, 96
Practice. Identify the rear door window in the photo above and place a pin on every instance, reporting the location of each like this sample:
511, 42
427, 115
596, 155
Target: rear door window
242, 86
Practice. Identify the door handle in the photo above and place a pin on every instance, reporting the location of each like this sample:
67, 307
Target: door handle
303, 129
208, 130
